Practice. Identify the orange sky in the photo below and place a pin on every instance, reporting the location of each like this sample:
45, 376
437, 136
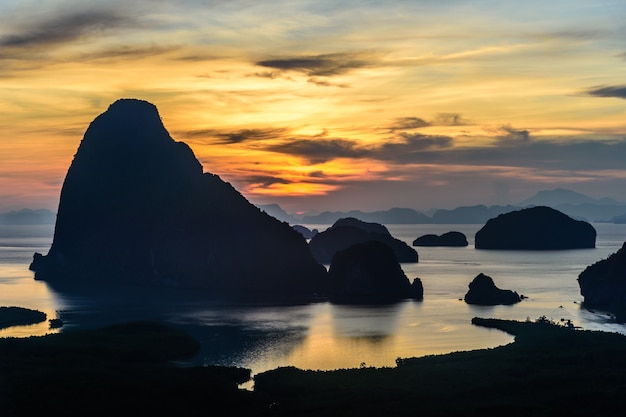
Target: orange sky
328, 105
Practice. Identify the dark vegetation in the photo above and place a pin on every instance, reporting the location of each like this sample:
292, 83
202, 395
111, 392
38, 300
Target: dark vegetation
121, 370
550, 370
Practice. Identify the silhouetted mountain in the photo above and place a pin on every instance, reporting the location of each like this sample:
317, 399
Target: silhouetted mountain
535, 228
391, 216
470, 214
560, 196
277, 212
620, 219
137, 208
28, 216
577, 205
348, 232
305, 231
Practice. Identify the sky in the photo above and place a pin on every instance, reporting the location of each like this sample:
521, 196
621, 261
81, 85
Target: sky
328, 105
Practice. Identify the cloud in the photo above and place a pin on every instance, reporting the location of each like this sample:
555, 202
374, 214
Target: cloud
239, 136
326, 65
323, 83
318, 174
617, 91
449, 119
413, 148
267, 74
127, 52
545, 155
510, 134
65, 28
440, 119
320, 150
407, 123
265, 180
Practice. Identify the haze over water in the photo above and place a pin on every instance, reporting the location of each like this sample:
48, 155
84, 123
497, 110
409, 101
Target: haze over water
321, 335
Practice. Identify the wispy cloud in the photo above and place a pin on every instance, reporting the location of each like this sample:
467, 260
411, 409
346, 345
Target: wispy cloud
64, 28
406, 123
326, 65
617, 91
320, 150
238, 136
265, 180
440, 119
127, 52
509, 134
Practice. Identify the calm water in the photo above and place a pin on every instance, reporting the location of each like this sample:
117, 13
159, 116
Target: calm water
263, 336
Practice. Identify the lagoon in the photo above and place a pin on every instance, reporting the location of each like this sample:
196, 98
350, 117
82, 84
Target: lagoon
261, 335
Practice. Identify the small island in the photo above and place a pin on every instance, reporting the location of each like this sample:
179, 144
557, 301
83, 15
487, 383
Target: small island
20, 316
535, 228
370, 272
450, 239
483, 291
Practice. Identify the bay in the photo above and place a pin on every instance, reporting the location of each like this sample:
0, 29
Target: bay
319, 335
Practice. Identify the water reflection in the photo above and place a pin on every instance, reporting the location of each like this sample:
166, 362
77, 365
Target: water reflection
363, 321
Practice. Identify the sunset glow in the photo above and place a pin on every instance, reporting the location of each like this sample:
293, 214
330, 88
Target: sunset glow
328, 105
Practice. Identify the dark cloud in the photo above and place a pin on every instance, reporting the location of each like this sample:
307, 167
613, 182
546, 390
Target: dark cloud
244, 135
407, 123
318, 174
265, 180
324, 83
320, 150
267, 74
449, 119
127, 52
509, 134
546, 155
440, 119
65, 28
411, 146
320, 65
617, 91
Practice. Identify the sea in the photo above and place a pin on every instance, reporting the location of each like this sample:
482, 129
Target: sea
319, 335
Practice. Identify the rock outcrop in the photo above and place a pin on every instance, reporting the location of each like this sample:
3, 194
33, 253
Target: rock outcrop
417, 289
603, 284
136, 208
452, 239
305, 231
535, 228
350, 231
369, 271
483, 291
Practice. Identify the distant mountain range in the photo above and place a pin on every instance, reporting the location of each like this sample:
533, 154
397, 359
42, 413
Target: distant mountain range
572, 203
560, 196
28, 216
